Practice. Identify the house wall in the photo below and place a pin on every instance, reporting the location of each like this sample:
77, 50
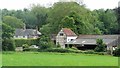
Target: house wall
25, 37
33, 37
71, 38
20, 37
61, 39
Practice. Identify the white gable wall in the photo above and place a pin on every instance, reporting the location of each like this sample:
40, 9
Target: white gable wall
70, 38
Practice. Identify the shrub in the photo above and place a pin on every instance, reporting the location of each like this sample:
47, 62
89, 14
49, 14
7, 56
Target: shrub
20, 42
109, 52
30, 49
8, 45
58, 46
100, 46
89, 52
44, 43
116, 52
74, 48
44, 46
25, 46
60, 50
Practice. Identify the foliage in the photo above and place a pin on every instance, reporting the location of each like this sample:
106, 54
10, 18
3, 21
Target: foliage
13, 22
44, 42
46, 30
116, 52
100, 46
7, 31
30, 49
40, 13
25, 46
74, 48
8, 45
109, 19
20, 42
67, 22
62, 15
59, 50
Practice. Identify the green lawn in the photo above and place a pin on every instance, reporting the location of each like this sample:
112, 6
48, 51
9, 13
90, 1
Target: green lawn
57, 59
0, 59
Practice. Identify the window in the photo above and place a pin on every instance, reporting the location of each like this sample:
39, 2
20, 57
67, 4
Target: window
71, 39
61, 34
16, 36
23, 36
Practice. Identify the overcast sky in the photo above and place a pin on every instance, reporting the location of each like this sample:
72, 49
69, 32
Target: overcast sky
91, 4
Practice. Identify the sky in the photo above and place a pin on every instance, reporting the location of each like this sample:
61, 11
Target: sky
91, 4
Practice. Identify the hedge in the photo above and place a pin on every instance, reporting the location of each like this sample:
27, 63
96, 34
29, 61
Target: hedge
20, 42
59, 50
116, 52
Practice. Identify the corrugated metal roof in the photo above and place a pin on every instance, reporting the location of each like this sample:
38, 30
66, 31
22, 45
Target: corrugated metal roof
89, 41
98, 36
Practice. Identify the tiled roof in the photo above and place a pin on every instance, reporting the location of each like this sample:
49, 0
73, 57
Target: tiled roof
26, 32
68, 32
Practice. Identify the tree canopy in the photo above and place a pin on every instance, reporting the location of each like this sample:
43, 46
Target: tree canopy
64, 15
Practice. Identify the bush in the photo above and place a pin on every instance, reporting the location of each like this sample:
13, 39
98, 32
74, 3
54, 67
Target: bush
44, 46
89, 52
58, 46
74, 48
8, 45
20, 42
116, 52
30, 49
25, 46
100, 46
60, 50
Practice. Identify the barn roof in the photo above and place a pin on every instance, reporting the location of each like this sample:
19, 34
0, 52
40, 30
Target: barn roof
90, 41
98, 36
111, 40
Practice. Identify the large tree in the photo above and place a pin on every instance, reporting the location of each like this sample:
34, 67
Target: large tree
7, 35
13, 22
82, 17
40, 13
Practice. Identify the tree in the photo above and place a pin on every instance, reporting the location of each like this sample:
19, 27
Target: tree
44, 42
100, 46
107, 21
29, 19
40, 13
8, 43
83, 24
13, 22
7, 31
67, 22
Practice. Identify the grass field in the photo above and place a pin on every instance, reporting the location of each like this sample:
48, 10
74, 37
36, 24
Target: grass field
0, 59
57, 59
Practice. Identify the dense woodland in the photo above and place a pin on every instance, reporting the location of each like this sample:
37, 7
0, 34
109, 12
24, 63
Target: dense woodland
61, 15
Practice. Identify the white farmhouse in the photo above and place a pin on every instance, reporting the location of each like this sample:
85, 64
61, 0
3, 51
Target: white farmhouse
26, 34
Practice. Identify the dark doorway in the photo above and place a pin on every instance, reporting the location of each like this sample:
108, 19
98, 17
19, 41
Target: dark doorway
87, 47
